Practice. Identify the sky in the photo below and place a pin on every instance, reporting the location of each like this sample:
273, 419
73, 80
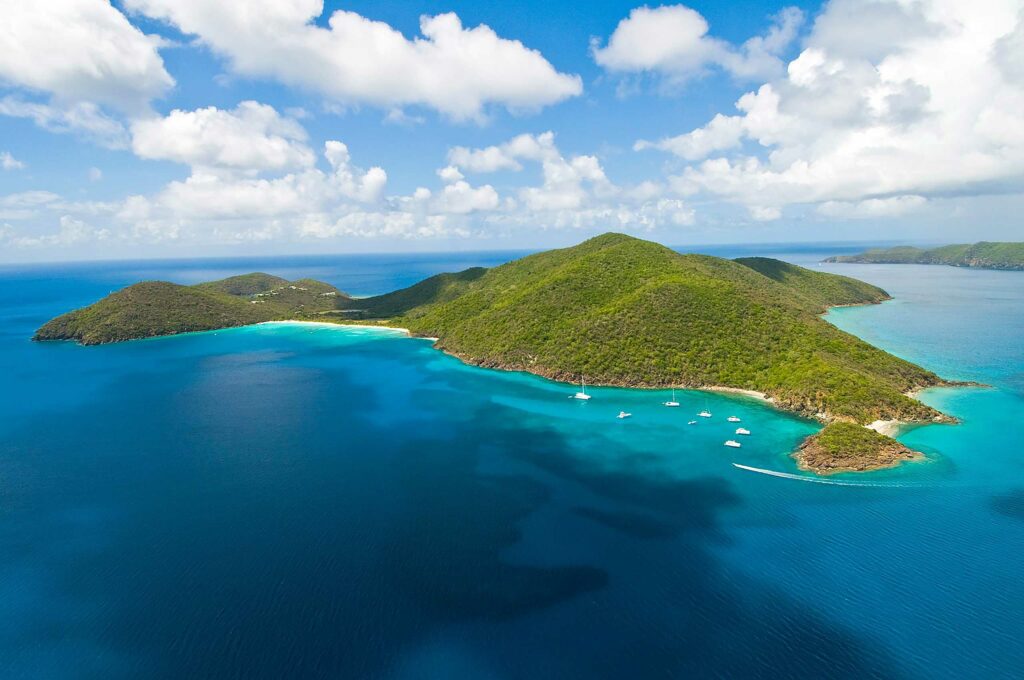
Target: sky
179, 128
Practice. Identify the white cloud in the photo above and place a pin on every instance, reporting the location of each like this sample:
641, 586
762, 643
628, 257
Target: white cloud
95, 174
764, 214
353, 60
673, 41
450, 174
70, 232
395, 224
25, 204
920, 104
873, 207
84, 118
80, 50
250, 138
505, 156
574, 192
461, 198
9, 162
366, 187
723, 132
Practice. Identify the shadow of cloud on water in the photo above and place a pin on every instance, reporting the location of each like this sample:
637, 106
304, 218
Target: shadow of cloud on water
260, 523
1010, 504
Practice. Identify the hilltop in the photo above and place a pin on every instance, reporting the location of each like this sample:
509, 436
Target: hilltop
154, 308
614, 310
620, 311
982, 255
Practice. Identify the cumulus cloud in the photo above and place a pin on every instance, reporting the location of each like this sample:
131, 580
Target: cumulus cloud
674, 41
452, 69
80, 50
504, 156
9, 162
460, 198
723, 132
575, 191
253, 137
921, 103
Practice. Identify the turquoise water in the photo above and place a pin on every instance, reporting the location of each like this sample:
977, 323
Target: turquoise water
290, 500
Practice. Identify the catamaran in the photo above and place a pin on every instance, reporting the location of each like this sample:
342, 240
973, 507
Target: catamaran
742, 430
733, 419
623, 414
705, 414
582, 394
733, 444
672, 403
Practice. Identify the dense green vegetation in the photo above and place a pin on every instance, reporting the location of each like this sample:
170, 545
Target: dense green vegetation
618, 310
436, 289
246, 284
153, 308
820, 289
984, 255
846, 447
613, 310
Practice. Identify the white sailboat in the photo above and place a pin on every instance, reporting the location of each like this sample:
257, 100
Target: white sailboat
733, 419
673, 403
582, 394
705, 413
733, 444
623, 414
742, 430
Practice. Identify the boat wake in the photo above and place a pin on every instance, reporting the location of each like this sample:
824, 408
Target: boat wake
814, 480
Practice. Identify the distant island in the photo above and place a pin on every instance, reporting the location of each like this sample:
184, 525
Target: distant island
614, 310
982, 255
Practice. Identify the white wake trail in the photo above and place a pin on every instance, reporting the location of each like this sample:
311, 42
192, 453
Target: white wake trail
815, 480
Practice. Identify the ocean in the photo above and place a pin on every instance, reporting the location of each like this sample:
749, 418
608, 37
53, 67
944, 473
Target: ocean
302, 501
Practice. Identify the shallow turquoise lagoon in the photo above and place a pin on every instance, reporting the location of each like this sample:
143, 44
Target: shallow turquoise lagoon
292, 500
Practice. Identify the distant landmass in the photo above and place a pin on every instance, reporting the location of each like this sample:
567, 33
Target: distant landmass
614, 310
982, 255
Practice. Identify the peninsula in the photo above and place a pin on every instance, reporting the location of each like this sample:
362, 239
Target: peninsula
614, 310
982, 255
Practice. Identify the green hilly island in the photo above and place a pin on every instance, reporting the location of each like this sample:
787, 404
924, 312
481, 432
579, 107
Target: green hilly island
982, 255
614, 310
154, 308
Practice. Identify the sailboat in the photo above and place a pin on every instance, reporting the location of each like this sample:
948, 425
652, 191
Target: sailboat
582, 394
672, 403
742, 430
705, 413
733, 419
733, 444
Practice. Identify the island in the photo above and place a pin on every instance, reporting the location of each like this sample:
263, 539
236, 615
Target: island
981, 255
613, 310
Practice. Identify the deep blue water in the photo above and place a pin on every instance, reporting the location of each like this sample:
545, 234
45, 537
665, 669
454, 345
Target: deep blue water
288, 501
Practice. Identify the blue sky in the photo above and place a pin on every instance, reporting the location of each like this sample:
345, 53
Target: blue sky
160, 128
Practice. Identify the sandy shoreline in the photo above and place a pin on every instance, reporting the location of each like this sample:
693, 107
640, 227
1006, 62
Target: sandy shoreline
761, 396
890, 428
331, 324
